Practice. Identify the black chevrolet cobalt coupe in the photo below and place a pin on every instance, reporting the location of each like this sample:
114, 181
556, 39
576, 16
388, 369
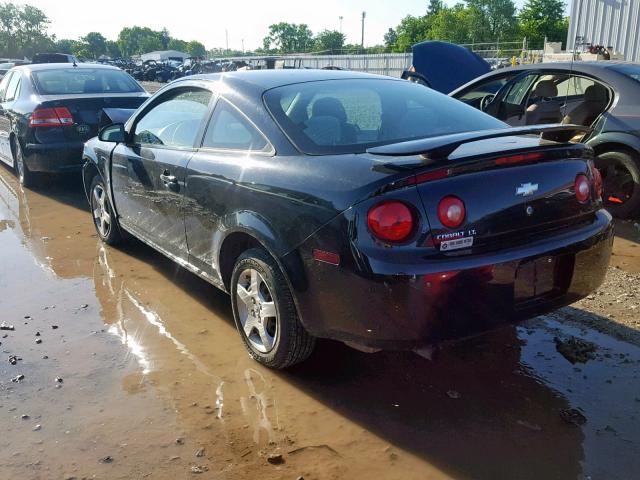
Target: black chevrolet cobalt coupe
350, 206
48, 111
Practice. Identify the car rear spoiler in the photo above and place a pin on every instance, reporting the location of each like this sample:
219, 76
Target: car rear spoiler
442, 146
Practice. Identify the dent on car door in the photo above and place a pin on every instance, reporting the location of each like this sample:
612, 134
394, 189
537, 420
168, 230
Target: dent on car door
234, 155
148, 171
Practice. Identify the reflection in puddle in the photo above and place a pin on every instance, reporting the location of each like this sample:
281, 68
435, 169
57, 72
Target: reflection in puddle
255, 407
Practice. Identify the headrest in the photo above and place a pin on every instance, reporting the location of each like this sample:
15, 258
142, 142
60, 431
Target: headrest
596, 93
546, 89
329, 107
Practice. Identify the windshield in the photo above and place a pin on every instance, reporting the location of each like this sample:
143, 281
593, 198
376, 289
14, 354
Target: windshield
632, 71
351, 115
65, 81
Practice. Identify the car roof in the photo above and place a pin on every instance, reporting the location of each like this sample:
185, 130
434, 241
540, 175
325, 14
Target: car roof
35, 67
261, 80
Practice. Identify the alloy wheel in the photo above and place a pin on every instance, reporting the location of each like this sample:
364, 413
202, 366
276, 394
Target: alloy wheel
19, 162
256, 310
101, 211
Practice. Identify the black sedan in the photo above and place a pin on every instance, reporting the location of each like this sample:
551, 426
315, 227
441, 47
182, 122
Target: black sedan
48, 111
604, 95
354, 207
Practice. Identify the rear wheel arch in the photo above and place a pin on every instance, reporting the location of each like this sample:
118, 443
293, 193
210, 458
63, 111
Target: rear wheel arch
89, 172
617, 147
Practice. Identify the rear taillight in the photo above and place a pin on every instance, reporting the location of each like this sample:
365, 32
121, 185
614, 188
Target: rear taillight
451, 211
390, 221
583, 188
51, 117
597, 182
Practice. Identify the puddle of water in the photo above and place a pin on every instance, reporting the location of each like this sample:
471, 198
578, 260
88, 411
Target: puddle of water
155, 357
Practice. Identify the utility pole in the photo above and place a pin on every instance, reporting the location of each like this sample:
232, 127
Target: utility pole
226, 34
340, 17
364, 14
243, 46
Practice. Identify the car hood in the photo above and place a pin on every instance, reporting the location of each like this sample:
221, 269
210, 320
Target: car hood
447, 66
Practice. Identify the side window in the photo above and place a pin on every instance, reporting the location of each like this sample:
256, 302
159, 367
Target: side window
488, 87
3, 85
13, 88
175, 121
229, 130
574, 86
519, 90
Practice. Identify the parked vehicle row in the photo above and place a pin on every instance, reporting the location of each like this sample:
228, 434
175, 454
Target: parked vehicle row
328, 204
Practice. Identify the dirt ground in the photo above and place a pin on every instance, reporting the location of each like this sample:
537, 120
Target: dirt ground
121, 365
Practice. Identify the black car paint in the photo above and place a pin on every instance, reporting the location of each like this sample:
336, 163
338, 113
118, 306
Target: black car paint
381, 295
54, 149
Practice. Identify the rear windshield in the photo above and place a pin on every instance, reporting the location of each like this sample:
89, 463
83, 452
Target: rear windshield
351, 115
84, 80
632, 71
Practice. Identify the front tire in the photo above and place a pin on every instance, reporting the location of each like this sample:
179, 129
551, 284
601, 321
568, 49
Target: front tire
621, 181
265, 314
25, 176
104, 218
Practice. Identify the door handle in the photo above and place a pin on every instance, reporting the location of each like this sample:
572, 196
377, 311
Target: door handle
166, 177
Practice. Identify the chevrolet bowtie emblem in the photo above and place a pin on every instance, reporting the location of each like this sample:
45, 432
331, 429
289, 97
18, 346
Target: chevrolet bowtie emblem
527, 189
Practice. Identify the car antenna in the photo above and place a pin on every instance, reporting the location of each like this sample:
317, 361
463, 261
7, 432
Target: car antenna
573, 57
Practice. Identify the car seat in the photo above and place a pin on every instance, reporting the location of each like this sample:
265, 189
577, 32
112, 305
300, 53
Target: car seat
595, 101
332, 107
544, 109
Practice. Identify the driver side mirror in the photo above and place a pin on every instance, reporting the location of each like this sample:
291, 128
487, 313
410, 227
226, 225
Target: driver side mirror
113, 133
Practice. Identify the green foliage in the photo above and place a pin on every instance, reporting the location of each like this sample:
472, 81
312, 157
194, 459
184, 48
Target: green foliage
411, 31
113, 50
288, 38
23, 30
196, 49
92, 45
177, 44
390, 38
67, 46
138, 40
329, 41
544, 18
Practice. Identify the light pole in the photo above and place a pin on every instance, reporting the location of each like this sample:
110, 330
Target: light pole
364, 14
340, 17
243, 46
226, 34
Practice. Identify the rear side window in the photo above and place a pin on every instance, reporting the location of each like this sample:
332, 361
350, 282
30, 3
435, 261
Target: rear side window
74, 80
351, 115
230, 130
3, 85
13, 88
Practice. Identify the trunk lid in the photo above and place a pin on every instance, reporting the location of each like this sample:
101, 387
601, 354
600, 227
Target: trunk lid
514, 189
87, 111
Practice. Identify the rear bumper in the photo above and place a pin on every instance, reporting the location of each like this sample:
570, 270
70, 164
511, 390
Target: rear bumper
54, 157
434, 301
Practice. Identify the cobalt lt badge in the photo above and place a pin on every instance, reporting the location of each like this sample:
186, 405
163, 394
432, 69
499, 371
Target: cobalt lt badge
83, 129
529, 210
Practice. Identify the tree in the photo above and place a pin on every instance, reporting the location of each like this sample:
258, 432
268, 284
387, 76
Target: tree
491, 20
196, 49
434, 7
92, 45
411, 31
165, 38
288, 38
452, 24
543, 18
329, 41
138, 40
65, 45
23, 30
113, 51
390, 38
176, 44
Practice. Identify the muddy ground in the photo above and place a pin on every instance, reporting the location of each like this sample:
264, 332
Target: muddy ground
121, 365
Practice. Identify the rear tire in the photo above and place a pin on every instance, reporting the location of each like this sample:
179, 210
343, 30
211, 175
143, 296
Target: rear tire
621, 180
104, 218
265, 314
25, 176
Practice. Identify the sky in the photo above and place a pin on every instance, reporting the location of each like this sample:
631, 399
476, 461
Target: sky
244, 19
